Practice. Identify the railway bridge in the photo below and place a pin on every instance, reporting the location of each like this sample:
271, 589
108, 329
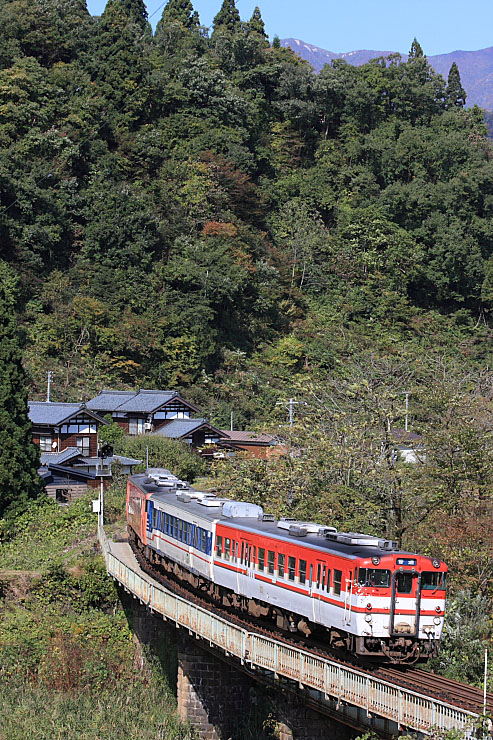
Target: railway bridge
318, 697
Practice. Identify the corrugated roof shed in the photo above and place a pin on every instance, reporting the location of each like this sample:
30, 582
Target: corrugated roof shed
251, 437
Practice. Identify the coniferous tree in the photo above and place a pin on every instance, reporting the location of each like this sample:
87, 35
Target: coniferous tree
415, 52
19, 456
276, 42
134, 10
456, 95
228, 18
256, 23
182, 12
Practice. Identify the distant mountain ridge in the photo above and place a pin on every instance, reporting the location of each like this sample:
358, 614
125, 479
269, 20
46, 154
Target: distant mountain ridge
476, 67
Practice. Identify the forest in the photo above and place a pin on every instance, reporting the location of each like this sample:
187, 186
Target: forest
195, 208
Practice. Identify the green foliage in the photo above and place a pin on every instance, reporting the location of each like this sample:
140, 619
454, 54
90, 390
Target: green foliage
163, 453
111, 433
467, 629
19, 457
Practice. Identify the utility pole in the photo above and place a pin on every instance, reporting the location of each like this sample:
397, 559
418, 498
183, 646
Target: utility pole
49, 386
485, 679
406, 393
290, 406
147, 458
231, 423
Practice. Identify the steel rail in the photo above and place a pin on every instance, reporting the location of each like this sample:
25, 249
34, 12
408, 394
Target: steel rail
408, 709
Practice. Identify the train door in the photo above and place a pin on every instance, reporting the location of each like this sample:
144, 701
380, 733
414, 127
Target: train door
318, 588
248, 559
404, 603
348, 597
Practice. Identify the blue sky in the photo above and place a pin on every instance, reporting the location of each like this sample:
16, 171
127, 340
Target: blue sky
440, 26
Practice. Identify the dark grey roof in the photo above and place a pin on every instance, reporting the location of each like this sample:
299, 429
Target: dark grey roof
141, 401
57, 458
50, 413
47, 412
108, 400
178, 428
120, 459
147, 401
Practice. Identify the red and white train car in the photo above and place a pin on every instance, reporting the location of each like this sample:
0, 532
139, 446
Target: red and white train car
361, 591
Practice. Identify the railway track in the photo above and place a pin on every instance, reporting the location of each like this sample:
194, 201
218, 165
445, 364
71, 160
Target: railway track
408, 677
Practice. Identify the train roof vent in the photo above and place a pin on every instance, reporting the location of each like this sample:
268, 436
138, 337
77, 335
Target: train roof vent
194, 495
285, 522
212, 502
183, 497
357, 538
301, 529
240, 509
268, 518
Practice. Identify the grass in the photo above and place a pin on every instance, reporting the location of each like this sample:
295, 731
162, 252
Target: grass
67, 655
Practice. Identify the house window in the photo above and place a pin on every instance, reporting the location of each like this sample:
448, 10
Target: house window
83, 444
210, 439
45, 444
136, 426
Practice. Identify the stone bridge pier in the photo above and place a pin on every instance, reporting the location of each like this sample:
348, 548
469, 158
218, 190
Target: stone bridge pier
219, 699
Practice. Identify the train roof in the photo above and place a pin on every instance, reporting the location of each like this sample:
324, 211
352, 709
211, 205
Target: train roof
349, 545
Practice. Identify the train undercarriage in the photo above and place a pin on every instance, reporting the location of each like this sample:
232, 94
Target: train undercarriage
403, 650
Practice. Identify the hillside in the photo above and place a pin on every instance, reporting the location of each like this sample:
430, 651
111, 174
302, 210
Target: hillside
476, 67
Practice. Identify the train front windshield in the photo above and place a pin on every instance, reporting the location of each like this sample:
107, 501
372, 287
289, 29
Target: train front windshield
373, 577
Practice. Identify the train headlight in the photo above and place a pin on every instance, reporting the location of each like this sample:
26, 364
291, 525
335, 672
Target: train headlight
375, 560
438, 609
367, 617
435, 563
436, 620
368, 606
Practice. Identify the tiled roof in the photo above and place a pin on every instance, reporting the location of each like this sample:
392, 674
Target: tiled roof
108, 400
48, 412
178, 428
249, 437
57, 458
147, 401
120, 459
141, 401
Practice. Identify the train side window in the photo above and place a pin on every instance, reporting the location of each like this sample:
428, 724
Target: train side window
433, 581
337, 582
271, 562
154, 518
227, 548
206, 546
219, 546
175, 527
242, 557
319, 572
327, 584
311, 576
261, 558
280, 565
237, 551
302, 571
291, 568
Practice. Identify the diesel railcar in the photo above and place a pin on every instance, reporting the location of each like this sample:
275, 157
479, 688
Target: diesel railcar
360, 592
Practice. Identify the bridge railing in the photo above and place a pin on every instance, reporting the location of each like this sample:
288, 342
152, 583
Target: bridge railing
408, 709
